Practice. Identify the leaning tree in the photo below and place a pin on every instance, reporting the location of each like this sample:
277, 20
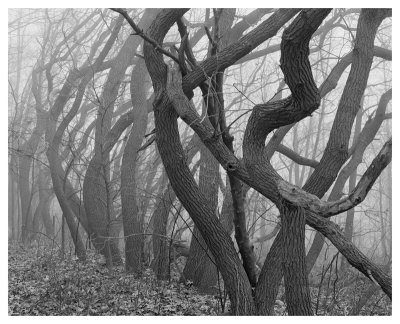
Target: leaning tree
173, 84
81, 127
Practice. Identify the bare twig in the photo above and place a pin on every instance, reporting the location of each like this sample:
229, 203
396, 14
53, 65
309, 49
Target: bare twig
139, 32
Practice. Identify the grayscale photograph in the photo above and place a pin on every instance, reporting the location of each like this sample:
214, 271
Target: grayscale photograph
199, 162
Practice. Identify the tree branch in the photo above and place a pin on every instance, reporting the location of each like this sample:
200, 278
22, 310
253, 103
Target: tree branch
296, 157
327, 209
140, 33
237, 50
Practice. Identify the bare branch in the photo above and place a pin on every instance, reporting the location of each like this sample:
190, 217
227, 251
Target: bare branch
327, 209
139, 32
296, 157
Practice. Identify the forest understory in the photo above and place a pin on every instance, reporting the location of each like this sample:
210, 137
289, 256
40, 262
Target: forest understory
43, 282
204, 161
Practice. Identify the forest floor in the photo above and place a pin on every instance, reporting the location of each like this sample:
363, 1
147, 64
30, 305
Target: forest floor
41, 282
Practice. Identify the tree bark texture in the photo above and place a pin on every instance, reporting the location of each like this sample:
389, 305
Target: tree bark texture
336, 151
170, 148
133, 224
97, 192
200, 265
317, 187
161, 248
297, 290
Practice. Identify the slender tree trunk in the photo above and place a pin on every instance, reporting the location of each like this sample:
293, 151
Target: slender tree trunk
46, 218
44, 196
389, 171
62, 236
11, 207
133, 224
336, 152
160, 243
96, 187
19, 213
348, 231
385, 254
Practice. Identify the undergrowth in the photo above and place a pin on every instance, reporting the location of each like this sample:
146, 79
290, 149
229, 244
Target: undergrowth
43, 283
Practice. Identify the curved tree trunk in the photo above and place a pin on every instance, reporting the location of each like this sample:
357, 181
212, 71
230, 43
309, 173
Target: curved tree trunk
186, 189
200, 266
54, 135
263, 120
97, 198
219, 242
336, 152
97, 192
25, 162
53, 138
133, 224
325, 173
161, 247
304, 100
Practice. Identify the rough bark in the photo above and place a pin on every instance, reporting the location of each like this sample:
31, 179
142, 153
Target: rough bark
365, 41
361, 142
238, 49
200, 266
238, 192
265, 118
353, 255
223, 155
297, 290
270, 278
348, 229
336, 152
186, 189
204, 217
160, 219
235, 166
133, 224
